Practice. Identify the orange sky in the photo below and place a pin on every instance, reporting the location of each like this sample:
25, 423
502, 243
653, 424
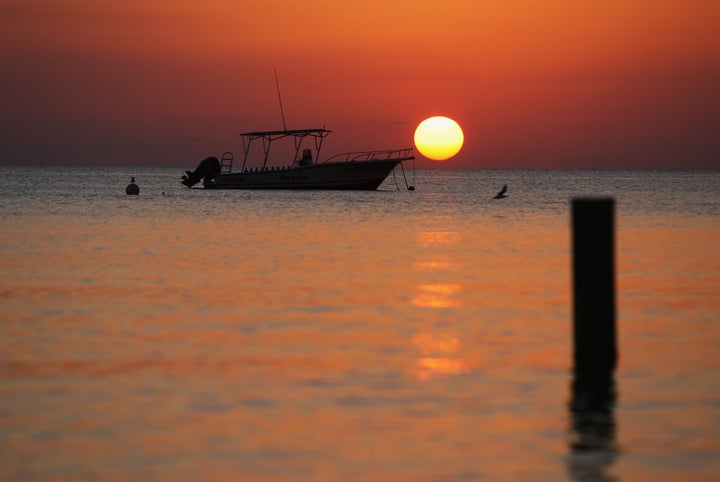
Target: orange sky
533, 83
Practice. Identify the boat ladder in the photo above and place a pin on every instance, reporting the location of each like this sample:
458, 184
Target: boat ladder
226, 163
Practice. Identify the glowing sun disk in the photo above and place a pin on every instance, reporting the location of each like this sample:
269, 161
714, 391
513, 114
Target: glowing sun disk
439, 138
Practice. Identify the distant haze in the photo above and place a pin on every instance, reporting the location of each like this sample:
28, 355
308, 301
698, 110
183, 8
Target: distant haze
534, 84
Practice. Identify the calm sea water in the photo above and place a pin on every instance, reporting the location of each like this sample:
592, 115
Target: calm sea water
355, 336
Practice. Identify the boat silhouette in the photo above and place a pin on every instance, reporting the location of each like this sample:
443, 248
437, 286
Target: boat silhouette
362, 170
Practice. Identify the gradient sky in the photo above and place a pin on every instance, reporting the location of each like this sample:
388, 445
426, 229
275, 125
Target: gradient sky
533, 83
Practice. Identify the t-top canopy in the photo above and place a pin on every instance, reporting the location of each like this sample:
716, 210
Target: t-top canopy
285, 133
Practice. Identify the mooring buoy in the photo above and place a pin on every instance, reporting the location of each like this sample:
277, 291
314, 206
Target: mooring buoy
132, 188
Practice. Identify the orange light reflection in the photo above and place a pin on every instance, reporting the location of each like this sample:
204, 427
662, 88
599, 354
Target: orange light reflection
440, 356
437, 296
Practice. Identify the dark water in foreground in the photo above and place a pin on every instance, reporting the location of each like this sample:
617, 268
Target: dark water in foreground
359, 336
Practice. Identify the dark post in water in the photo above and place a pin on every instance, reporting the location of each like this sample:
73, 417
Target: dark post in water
593, 241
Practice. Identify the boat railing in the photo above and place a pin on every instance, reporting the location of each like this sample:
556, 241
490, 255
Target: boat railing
386, 154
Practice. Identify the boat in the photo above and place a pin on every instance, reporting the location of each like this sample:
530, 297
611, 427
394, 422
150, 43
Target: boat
364, 170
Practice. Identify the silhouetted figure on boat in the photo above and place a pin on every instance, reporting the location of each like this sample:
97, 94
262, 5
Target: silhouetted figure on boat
132, 188
306, 159
207, 169
502, 192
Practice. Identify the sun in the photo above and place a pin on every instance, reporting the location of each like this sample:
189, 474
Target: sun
439, 138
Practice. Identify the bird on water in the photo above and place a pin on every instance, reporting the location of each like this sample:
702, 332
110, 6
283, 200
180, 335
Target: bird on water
502, 192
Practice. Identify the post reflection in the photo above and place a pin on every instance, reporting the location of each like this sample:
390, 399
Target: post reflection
592, 445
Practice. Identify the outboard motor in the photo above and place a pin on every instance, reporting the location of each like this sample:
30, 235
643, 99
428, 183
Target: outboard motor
206, 170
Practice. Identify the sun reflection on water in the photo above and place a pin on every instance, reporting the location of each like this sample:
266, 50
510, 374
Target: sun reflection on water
439, 353
436, 296
432, 265
439, 356
430, 238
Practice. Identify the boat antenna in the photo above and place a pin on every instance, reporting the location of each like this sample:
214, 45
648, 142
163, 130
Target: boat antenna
282, 113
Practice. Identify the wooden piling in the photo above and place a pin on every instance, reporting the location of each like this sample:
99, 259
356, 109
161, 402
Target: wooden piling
593, 243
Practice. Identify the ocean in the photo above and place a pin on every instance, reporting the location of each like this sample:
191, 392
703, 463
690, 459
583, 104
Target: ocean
392, 335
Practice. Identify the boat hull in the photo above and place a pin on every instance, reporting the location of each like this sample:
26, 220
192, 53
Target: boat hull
353, 175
